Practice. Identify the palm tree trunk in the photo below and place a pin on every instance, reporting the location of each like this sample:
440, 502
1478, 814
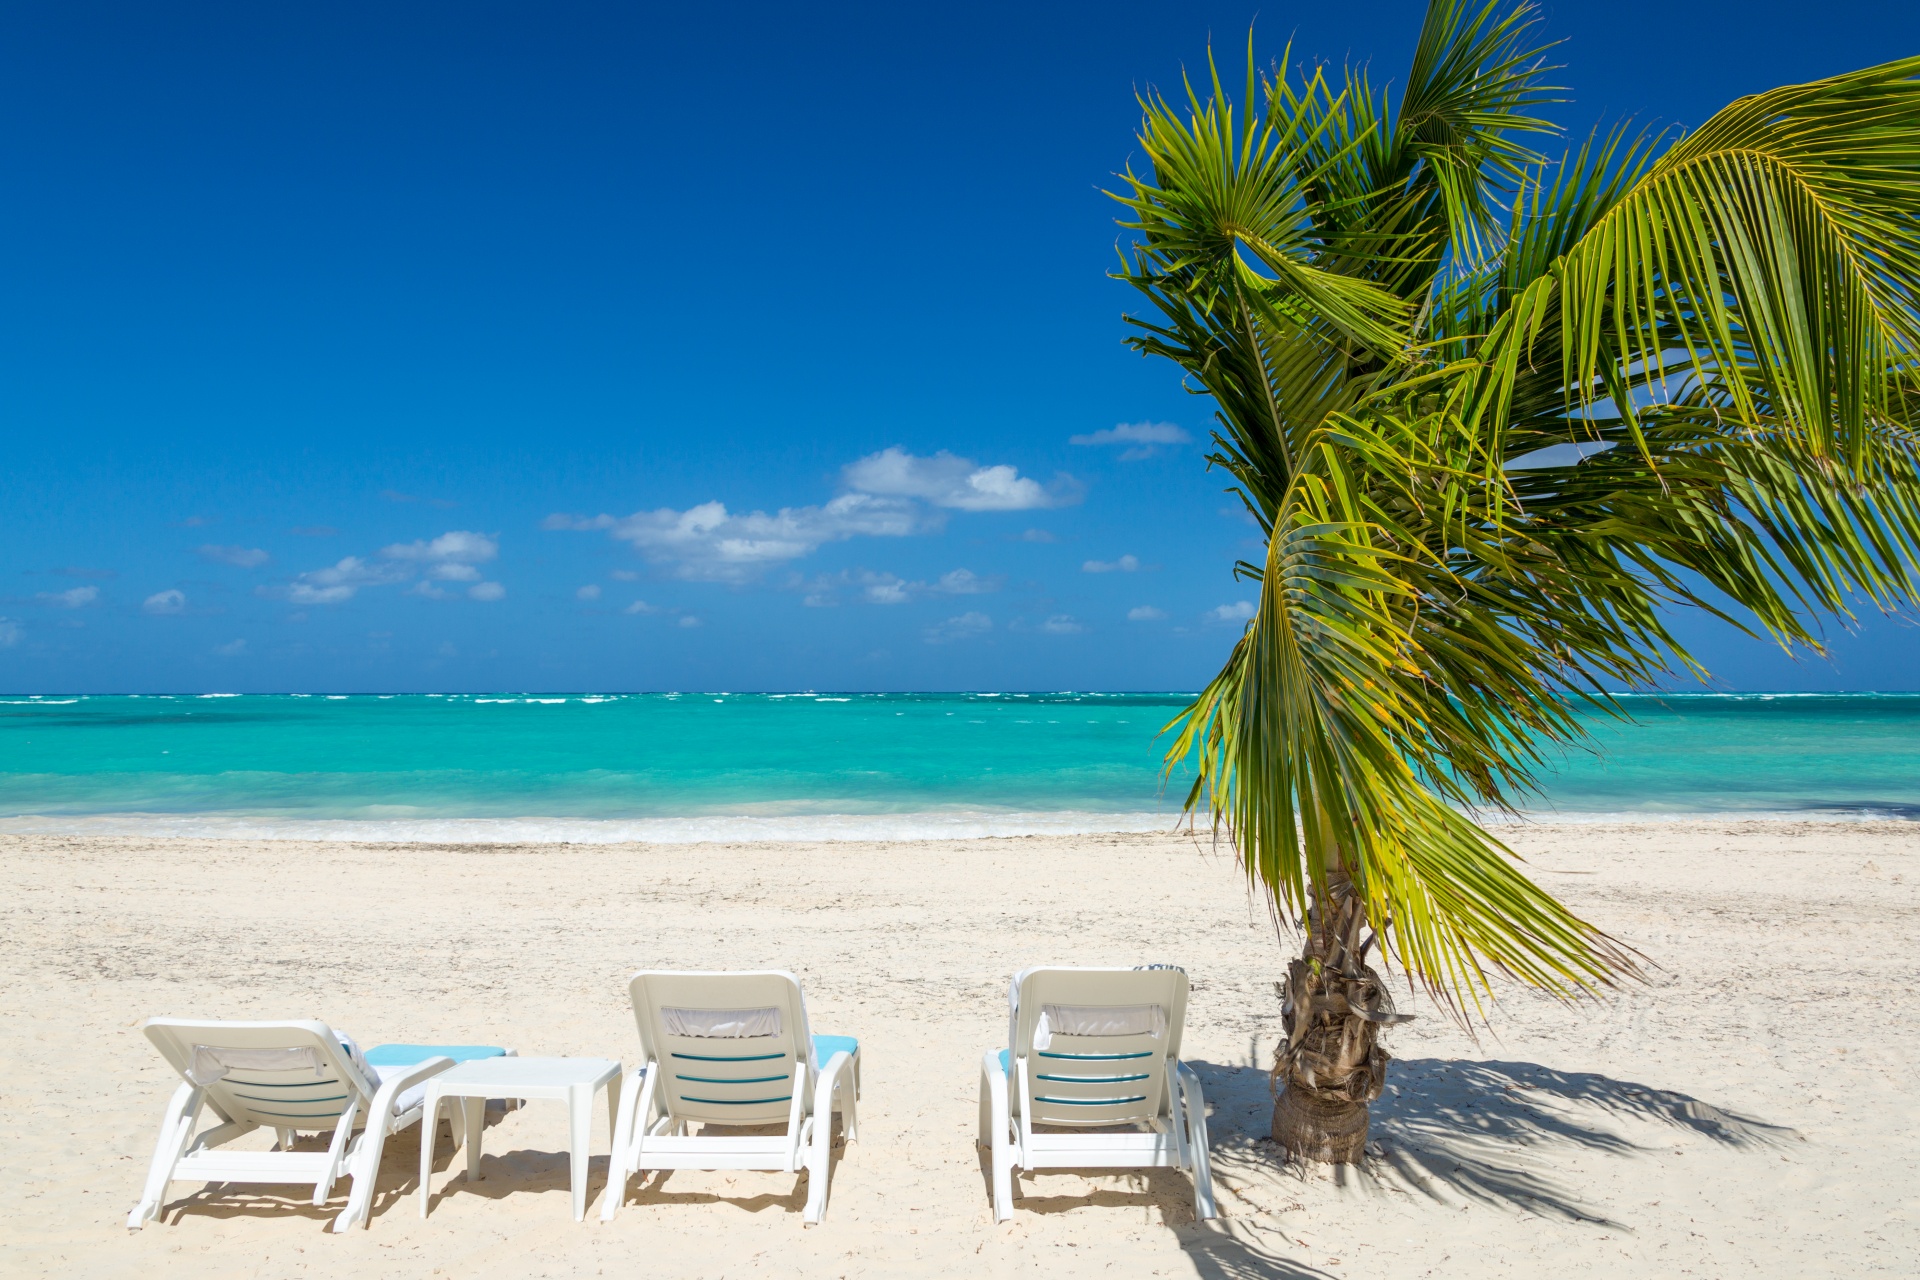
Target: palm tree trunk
1331, 1065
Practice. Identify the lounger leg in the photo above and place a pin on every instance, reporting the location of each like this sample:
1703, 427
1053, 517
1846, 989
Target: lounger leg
1177, 1120
176, 1130
625, 1136
365, 1162
985, 1136
365, 1157
1196, 1121
1000, 1123
849, 1095
336, 1154
819, 1158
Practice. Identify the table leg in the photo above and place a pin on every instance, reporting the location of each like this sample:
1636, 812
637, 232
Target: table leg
580, 1125
475, 1115
613, 1107
429, 1127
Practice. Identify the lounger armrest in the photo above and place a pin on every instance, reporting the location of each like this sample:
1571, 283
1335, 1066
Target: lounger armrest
392, 1087
1193, 1107
1188, 1077
819, 1160
840, 1064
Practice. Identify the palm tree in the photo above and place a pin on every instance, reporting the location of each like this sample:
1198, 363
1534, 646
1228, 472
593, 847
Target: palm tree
1496, 418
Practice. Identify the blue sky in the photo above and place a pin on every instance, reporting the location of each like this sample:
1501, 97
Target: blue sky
565, 346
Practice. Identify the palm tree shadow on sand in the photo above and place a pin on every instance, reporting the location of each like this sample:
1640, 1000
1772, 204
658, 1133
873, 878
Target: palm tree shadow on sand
1486, 1132
1227, 1250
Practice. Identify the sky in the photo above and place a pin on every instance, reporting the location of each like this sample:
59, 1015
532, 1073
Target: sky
563, 346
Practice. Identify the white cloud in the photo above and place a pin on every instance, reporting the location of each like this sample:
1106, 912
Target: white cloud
1135, 433
890, 588
1143, 438
242, 557
589, 592
337, 582
964, 627
889, 496
166, 602
1061, 624
709, 542
1038, 535
451, 557
231, 649
945, 480
1238, 611
71, 598
1125, 564
1145, 613
624, 575
9, 633
965, 582
641, 606
689, 621
459, 546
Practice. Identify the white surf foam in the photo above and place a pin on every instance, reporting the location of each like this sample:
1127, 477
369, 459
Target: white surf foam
718, 828
792, 828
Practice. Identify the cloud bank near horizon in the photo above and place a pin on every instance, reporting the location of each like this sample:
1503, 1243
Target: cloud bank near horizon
890, 494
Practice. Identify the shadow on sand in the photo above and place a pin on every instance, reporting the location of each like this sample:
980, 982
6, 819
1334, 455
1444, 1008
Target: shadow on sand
1487, 1132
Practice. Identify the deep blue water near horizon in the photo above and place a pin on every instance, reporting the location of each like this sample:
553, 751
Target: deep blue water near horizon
819, 765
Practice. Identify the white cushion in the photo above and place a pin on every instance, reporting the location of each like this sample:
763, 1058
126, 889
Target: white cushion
1098, 1020
721, 1024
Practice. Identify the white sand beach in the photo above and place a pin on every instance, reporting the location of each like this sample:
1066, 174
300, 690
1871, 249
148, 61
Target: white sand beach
1752, 1110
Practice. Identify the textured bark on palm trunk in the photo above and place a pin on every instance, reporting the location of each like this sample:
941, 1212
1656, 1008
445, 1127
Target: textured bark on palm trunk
1331, 1064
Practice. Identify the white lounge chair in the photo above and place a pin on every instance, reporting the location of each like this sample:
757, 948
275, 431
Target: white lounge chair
289, 1077
1094, 1055
731, 1049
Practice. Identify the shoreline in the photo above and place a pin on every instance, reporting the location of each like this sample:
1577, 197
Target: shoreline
815, 828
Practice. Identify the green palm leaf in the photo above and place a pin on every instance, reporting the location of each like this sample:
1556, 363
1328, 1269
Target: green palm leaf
1396, 309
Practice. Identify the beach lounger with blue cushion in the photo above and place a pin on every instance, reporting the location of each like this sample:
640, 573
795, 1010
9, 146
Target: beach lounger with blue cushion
1094, 1056
729, 1050
292, 1078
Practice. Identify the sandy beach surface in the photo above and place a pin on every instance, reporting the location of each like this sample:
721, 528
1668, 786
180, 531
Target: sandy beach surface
1753, 1110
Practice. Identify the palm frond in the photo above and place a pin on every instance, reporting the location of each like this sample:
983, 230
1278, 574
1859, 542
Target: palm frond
1399, 314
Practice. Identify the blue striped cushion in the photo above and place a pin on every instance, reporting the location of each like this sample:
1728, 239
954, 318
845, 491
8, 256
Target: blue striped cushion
408, 1055
824, 1047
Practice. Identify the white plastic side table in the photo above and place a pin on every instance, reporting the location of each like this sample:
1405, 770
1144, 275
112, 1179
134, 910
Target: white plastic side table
573, 1081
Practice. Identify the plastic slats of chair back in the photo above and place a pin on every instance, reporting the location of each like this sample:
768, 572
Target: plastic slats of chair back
726, 1079
1097, 1080
309, 1093
1094, 1080
287, 1099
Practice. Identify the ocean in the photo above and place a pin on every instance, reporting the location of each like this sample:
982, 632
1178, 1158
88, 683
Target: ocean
804, 766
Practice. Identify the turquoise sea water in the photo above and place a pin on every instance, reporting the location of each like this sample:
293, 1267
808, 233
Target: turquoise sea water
759, 766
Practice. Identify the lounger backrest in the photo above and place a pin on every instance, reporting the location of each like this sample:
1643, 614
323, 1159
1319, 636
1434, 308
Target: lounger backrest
1098, 1043
727, 1044
282, 1075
